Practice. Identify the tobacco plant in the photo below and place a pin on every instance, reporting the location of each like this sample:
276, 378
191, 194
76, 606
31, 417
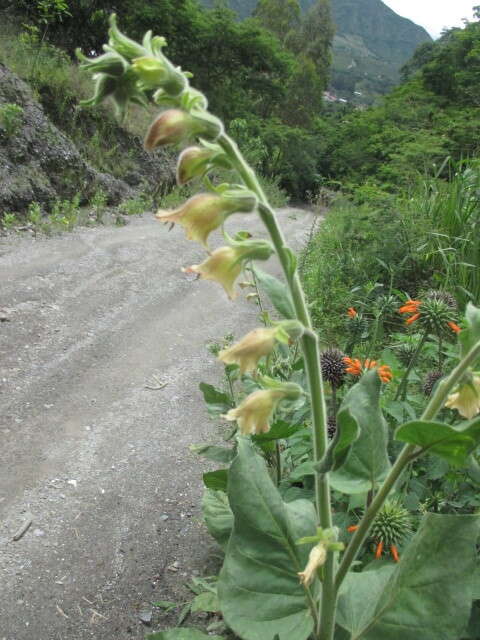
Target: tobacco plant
286, 573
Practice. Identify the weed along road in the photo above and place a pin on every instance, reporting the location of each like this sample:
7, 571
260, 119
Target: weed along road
102, 348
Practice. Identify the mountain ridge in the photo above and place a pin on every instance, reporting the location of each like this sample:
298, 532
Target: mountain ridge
371, 43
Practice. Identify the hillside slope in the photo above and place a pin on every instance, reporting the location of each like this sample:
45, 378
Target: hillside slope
372, 42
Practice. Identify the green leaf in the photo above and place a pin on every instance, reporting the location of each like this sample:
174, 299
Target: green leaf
217, 515
260, 595
367, 463
216, 480
213, 452
182, 634
427, 595
469, 337
347, 432
206, 601
276, 291
452, 443
278, 431
217, 402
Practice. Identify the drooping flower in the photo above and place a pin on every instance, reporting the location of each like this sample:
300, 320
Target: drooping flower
253, 414
316, 559
466, 400
258, 343
205, 212
224, 265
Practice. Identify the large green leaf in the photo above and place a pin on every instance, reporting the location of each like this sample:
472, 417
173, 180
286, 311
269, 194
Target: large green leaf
347, 432
428, 595
260, 595
276, 291
182, 634
216, 480
217, 515
367, 462
452, 443
217, 402
214, 452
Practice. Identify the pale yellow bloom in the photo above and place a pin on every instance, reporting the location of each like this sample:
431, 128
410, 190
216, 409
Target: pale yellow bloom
248, 351
316, 559
467, 399
199, 216
253, 414
223, 266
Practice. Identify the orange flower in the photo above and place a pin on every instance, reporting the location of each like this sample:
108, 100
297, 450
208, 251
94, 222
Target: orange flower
412, 319
353, 366
352, 528
394, 552
454, 327
411, 306
379, 550
385, 373
351, 312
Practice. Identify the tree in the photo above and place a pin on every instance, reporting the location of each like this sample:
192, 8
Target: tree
278, 16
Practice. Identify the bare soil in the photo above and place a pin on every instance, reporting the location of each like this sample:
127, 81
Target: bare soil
98, 461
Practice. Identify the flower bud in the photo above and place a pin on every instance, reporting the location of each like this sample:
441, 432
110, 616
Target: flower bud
196, 161
316, 559
175, 126
153, 73
126, 47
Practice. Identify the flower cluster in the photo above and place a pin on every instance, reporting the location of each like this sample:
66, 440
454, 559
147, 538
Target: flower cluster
434, 313
356, 368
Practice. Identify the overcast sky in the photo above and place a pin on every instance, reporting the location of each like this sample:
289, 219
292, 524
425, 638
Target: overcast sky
434, 15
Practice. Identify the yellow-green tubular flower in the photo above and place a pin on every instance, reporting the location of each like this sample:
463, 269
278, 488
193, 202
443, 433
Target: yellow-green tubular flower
224, 265
253, 414
316, 559
466, 400
258, 343
154, 72
125, 46
205, 212
176, 126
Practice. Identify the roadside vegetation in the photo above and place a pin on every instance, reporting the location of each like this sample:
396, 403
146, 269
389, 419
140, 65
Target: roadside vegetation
348, 480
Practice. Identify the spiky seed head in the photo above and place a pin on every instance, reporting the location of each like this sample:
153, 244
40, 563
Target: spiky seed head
357, 327
392, 524
405, 352
331, 427
444, 296
333, 366
430, 381
435, 314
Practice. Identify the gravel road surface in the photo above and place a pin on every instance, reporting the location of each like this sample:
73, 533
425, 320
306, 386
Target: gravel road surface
98, 462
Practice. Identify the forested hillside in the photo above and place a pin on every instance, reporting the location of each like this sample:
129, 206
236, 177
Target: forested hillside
371, 43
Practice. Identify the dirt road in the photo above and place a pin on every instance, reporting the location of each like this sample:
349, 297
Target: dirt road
98, 461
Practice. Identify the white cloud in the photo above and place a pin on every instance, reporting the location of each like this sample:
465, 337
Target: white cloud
434, 15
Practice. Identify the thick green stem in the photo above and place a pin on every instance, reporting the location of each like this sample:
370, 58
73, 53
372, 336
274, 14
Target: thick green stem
314, 376
408, 453
402, 387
